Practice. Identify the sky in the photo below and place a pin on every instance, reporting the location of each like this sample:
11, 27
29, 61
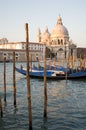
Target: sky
39, 14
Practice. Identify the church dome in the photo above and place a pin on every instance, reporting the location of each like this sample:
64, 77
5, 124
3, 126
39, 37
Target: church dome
59, 30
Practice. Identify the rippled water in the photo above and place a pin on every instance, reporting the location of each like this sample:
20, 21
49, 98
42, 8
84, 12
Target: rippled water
66, 109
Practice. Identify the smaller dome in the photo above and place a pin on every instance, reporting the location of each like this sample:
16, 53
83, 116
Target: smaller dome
46, 35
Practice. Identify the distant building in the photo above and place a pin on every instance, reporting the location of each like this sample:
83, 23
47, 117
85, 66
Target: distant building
81, 52
36, 50
3, 40
57, 40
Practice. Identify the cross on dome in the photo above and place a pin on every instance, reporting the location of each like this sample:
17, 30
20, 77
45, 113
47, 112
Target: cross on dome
59, 20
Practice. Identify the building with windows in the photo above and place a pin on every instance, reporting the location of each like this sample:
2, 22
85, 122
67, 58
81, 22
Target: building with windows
58, 40
36, 50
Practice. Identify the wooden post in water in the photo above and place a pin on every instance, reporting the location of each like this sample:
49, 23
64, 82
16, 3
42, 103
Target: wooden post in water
77, 64
31, 62
28, 80
84, 62
14, 79
45, 87
55, 61
5, 79
38, 62
1, 111
66, 69
72, 61
80, 61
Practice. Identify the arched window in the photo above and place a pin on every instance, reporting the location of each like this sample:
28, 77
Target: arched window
58, 42
61, 42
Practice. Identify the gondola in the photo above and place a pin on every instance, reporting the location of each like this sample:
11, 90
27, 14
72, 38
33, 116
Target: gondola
54, 74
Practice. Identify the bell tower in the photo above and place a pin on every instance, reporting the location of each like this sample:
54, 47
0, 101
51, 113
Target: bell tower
39, 35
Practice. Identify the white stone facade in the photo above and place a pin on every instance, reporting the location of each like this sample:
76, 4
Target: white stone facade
57, 40
36, 49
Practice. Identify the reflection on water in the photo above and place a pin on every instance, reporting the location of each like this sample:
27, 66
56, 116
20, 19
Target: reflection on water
66, 103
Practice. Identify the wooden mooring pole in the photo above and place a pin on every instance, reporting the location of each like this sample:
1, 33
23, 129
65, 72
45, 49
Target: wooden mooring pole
66, 69
31, 62
28, 79
1, 111
14, 79
45, 87
5, 79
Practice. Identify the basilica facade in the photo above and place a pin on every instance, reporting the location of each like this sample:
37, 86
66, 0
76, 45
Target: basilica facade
58, 40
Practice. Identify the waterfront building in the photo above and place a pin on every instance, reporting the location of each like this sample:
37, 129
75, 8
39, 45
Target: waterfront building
81, 52
58, 40
36, 50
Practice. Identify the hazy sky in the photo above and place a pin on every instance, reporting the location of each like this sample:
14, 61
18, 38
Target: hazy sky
41, 13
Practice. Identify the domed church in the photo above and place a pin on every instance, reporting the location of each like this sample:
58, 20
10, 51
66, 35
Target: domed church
57, 40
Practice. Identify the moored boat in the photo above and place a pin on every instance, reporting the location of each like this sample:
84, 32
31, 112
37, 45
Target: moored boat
54, 74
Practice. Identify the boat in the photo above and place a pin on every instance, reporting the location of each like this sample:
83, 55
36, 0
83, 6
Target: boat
57, 67
54, 74
52, 67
